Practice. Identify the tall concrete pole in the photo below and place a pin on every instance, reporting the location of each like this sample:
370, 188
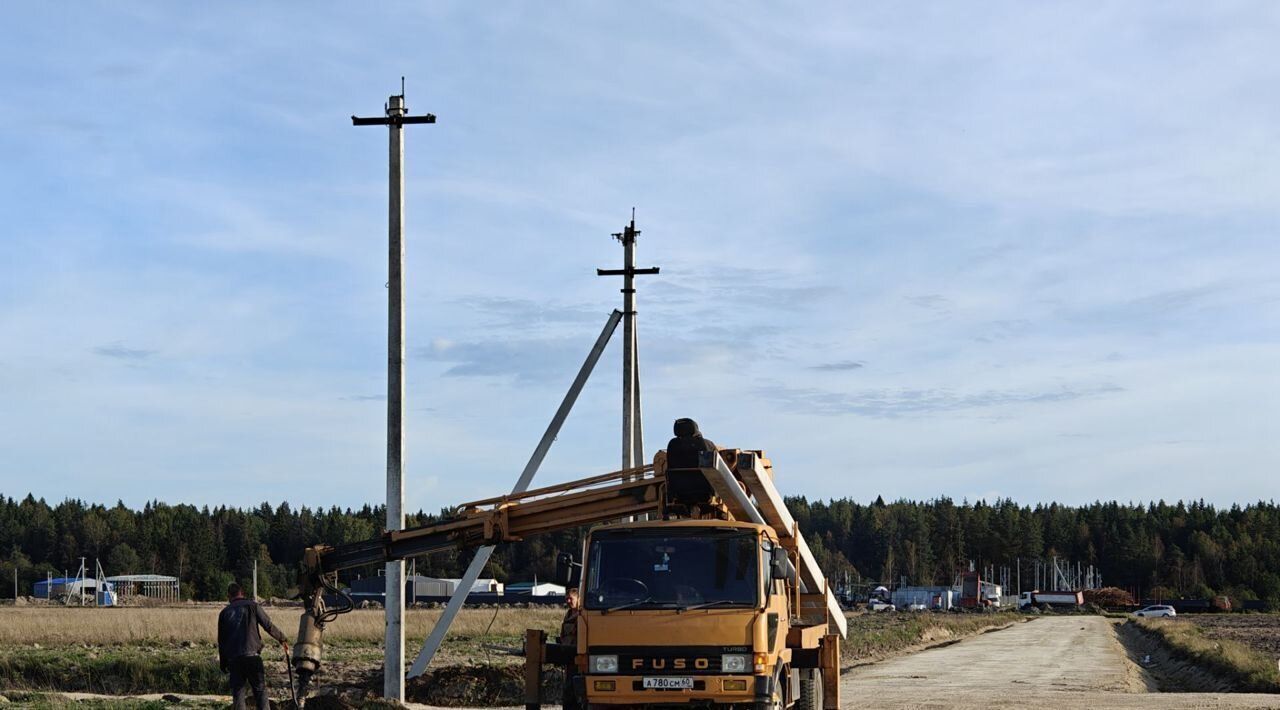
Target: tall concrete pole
629, 346
393, 671
632, 429
395, 119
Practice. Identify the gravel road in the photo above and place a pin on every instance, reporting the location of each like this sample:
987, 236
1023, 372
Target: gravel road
1053, 662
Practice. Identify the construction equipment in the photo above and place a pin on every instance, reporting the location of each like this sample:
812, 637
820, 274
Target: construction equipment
1066, 600
715, 598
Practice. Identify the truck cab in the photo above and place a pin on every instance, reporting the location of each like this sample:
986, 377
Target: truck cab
693, 612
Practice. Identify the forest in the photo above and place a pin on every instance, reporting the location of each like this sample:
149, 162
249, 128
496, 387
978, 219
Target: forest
1158, 550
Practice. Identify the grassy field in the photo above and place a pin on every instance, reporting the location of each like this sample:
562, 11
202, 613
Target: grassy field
131, 651
41, 701
198, 624
1261, 632
1200, 639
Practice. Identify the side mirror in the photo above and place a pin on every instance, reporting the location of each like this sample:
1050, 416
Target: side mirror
568, 571
780, 566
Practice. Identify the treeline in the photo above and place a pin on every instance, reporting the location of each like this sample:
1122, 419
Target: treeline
207, 548
1167, 550
1160, 550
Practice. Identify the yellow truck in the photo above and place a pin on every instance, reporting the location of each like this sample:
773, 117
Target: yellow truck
706, 596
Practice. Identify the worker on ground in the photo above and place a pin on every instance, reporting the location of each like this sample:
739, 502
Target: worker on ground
239, 646
569, 637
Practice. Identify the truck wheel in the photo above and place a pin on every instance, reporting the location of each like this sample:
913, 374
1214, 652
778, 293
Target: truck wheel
810, 696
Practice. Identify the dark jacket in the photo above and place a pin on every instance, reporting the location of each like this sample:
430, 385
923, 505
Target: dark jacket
569, 628
686, 484
683, 451
238, 630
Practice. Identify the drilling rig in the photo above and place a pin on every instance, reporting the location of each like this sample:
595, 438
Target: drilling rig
706, 595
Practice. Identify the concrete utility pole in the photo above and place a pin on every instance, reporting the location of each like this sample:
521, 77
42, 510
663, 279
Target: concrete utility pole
80, 578
395, 119
632, 421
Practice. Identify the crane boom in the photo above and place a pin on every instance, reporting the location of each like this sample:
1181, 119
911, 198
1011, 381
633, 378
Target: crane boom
504, 519
611, 496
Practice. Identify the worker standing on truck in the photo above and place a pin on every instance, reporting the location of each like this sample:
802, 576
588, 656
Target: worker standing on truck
239, 646
569, 637
687, 488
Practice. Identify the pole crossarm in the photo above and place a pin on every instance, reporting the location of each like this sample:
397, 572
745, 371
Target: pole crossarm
626, 272
392, 120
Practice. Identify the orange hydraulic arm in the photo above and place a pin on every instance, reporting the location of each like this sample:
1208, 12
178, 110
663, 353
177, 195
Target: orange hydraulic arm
503, 519
611, 496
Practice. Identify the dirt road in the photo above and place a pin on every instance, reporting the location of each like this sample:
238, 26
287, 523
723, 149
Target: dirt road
1054, 662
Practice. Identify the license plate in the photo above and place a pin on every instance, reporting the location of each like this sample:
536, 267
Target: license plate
668, 683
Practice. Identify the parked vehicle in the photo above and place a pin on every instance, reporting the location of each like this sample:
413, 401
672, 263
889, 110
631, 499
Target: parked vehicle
880, 605
1054, 599
1156, 610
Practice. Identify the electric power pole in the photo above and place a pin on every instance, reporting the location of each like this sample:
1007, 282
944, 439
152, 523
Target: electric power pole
396, 118
632, 420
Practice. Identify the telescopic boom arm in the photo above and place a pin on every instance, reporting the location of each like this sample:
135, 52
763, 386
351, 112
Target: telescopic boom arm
611, 496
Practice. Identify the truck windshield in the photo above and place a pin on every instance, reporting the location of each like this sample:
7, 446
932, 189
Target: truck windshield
639, 571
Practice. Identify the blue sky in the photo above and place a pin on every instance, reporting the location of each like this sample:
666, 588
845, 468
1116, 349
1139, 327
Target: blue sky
909, 251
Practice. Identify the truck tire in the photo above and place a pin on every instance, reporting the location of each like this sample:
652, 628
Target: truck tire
810, 695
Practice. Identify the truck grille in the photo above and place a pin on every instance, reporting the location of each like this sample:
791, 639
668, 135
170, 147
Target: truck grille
667, 660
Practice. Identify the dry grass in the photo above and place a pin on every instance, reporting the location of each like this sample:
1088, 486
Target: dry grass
198, 624
1250, 669
1260, 632
874, 636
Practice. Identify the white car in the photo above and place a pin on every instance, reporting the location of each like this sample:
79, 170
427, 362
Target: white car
880, 605
1156, 610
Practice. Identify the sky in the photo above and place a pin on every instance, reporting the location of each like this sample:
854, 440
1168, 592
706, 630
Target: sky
910, 250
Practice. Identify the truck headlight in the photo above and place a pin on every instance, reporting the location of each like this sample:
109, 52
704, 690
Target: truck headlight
603, 664
733, 663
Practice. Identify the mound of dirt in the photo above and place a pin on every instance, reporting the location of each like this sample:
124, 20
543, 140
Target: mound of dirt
339, 702
357, 700
480, 685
